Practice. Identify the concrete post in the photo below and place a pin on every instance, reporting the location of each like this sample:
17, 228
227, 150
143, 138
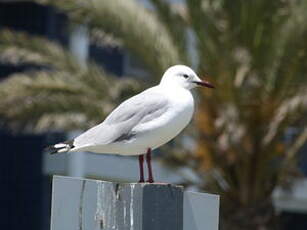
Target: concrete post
82, 204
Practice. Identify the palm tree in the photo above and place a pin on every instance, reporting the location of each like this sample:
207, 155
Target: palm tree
62, 94
256, 54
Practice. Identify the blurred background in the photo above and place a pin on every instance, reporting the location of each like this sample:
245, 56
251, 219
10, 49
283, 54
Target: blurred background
65, 64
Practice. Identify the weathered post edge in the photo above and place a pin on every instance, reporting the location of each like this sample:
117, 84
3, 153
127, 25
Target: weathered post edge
81, 204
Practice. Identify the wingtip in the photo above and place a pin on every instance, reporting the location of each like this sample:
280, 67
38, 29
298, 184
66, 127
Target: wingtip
51, 150
59, 148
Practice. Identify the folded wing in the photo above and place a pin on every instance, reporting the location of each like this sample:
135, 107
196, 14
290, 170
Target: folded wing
119, 125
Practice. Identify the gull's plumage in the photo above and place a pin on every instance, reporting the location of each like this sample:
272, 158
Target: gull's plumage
122, 126
145, 121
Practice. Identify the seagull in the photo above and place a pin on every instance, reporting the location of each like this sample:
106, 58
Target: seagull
143, 122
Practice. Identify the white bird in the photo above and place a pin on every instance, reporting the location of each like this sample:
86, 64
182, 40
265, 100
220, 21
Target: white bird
144, 122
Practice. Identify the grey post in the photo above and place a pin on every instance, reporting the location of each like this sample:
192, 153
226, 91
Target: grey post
84, 204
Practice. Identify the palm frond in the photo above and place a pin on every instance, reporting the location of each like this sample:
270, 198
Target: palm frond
140, 30
172, 18
35, 100
18, 48
62, 89
288, 53
290, 108
296, 146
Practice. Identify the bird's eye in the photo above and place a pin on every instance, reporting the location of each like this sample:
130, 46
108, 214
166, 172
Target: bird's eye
185, 76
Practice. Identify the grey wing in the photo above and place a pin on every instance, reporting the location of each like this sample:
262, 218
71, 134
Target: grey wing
139, 109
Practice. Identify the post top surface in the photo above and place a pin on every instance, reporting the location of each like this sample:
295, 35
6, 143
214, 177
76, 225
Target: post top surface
157, 184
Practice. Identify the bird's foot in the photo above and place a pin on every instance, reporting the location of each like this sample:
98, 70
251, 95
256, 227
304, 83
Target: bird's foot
141, 181
150, 180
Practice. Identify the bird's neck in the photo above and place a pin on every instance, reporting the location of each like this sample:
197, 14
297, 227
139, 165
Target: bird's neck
171, 85
175, 90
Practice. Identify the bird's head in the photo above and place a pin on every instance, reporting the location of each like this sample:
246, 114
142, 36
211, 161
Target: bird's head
183, 76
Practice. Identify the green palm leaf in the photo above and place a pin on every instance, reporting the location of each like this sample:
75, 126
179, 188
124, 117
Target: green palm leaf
130, 22
62, 95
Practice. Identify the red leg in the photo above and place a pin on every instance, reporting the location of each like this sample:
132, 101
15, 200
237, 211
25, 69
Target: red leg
148, 159
141, 160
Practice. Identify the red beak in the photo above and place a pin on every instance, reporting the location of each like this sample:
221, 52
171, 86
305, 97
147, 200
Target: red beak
205, 84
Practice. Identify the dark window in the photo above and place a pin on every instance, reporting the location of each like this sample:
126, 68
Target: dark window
111, 59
